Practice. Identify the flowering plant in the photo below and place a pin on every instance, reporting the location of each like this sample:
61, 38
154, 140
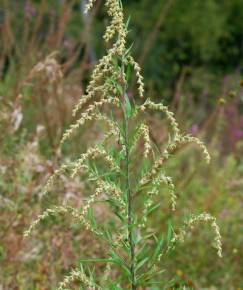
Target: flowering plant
133, 257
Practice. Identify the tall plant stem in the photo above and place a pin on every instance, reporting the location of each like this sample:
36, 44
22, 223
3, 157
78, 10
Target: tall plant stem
128, 186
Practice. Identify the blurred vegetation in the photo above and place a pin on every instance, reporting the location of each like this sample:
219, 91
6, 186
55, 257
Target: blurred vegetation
192, 55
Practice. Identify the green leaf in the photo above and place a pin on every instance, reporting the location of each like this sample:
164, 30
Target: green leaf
153, 208
128, 50
128, 107
128, 73
128, 22
141, 263
121, 156
157, 250
169, 232
114, 60
142, 251
120, 262
119, 88
114, 287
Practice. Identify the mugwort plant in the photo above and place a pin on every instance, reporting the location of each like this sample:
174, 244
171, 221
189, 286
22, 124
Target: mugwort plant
130, 187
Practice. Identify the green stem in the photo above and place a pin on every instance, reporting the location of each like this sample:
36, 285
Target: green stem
128, 188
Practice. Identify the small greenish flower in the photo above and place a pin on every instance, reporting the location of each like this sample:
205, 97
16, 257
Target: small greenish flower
232, 94
222, 101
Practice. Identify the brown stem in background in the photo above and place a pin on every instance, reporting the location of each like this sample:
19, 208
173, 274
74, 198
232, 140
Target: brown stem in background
60, 104
37, 25
45, 117
178, 88
88, 20
152, 36
150, 39
211, 118
65, 14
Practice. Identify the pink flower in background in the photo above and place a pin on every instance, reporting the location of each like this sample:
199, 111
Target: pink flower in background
194, 129
238, 134
66, 43
130, 95
29, 10
235, 122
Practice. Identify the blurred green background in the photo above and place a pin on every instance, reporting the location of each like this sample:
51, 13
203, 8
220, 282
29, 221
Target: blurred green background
192, 57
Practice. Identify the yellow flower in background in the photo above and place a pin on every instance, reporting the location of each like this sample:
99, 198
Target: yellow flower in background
179, 272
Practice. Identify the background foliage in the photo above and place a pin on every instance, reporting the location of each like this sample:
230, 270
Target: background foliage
192, 55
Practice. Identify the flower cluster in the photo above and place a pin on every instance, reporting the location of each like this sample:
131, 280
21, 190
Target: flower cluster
114, 191
93, 153
77, 275
156, 185
99, 83
179, 141
160, 107
89, 114
143, 132
190, 224
57, 210
89, 5
137, 69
